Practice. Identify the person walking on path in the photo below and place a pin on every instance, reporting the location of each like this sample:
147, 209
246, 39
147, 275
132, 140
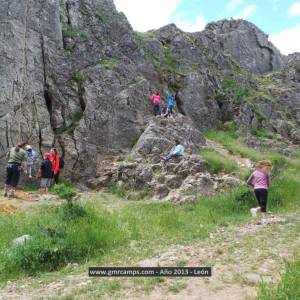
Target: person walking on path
46, 173
177, 151
56, 164
16, 162
171, 103
31, 155
259, 180
156, 100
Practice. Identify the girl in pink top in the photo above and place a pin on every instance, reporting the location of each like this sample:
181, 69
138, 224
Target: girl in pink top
156, 99
260, 181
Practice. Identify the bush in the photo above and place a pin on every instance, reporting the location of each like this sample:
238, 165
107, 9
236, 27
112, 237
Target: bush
65, 191
245, 196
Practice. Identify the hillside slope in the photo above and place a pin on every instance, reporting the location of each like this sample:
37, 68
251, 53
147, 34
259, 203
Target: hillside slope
74, 74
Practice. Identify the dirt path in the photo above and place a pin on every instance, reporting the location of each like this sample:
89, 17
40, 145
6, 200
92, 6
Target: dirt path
25, 201
243, 163
241, 257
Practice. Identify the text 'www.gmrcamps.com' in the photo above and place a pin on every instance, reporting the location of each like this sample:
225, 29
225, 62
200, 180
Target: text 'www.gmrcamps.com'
150, 272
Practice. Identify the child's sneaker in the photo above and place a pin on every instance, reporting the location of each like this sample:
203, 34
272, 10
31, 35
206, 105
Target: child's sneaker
253, 212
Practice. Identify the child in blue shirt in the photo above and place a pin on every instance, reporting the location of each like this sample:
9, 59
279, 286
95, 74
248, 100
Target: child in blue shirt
171, 102
178, 151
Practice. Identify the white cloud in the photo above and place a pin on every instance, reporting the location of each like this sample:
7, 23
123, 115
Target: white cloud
287, 41
145, 14
247, 12
198, 25
294, 10
233, 4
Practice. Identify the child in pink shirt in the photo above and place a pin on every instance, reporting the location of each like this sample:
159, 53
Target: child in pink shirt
260, 181
156, 99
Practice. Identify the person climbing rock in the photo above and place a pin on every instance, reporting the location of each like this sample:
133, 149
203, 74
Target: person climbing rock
156, 99
260, 182
177, 151
56, 164
165, 112
16, 162
46, 173
31, 155
171, 103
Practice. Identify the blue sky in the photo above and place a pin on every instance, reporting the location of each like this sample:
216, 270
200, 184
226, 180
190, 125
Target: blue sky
278, 18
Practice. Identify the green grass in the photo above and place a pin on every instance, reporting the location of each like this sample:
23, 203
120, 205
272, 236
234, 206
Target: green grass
62, 235
108, 63
119, 191
69, 31
78, 76
218, 163
83, 34
264, 133
101, 17
171, 62
234, 145
88, 231
177, 287
289, 286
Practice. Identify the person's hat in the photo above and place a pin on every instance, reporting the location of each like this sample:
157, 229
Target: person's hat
28, 147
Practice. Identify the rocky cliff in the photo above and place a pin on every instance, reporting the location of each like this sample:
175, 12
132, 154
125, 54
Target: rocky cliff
74, 74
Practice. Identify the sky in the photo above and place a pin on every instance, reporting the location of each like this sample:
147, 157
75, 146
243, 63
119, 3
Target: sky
280, 19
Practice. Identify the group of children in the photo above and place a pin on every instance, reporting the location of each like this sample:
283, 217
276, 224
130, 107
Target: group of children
22, 158
165, 109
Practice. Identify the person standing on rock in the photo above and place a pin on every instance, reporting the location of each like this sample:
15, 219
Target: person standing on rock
56, 164
16, 162
171, 102
31, 154
260, 181
156, 100
177, 151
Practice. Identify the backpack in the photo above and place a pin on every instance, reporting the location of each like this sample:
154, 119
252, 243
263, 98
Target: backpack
61, 163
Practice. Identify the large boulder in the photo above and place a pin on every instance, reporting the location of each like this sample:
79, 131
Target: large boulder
158, 138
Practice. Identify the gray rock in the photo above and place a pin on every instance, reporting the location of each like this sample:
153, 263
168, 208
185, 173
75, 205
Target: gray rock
161, 191
22, 240
173, 181
252, 278
75, 75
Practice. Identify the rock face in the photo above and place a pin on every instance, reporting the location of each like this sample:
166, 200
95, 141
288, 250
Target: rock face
247, 44
74, 74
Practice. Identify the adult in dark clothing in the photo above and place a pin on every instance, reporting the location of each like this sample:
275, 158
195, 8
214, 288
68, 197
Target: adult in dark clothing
16, 162
46, 173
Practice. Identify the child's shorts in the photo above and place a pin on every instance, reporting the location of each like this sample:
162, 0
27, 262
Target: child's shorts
46, 182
